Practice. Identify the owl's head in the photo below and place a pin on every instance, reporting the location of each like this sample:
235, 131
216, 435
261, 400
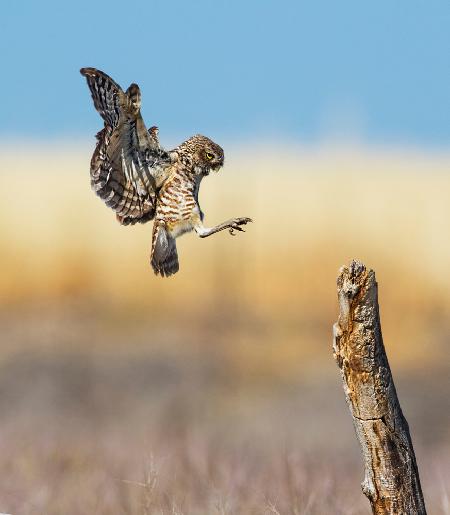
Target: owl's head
204, 155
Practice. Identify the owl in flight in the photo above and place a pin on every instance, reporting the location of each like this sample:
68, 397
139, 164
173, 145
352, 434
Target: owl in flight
141, 181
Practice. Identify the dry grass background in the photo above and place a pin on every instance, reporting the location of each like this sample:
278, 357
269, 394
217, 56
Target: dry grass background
214, 391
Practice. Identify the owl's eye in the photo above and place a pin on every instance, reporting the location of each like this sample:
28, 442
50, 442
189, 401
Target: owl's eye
209, 156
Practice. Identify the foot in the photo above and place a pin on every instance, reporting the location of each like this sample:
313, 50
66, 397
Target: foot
236, 223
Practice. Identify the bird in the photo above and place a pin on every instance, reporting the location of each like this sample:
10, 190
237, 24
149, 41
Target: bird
141, 181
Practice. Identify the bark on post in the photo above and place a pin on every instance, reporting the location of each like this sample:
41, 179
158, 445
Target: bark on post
391, 480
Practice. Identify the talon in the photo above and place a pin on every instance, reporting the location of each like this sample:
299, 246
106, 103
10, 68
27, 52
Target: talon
243, 221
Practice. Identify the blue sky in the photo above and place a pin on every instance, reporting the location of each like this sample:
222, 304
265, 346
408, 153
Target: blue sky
304, 71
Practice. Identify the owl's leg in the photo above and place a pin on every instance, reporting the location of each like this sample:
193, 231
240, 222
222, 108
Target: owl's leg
232, 225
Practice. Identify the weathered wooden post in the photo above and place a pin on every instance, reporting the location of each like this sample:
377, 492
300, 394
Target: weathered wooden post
391, 480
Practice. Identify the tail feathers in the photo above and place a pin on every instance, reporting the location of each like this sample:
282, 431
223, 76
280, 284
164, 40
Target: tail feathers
164, 258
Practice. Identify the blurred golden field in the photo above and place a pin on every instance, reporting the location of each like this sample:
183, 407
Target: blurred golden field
313, 212
106, 369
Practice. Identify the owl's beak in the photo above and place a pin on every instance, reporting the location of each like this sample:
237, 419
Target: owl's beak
217, 167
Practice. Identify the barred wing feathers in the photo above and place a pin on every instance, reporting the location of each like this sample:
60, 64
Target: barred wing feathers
128, 165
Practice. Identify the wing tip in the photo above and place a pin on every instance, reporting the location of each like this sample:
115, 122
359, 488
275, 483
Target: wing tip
86, 71
96, 74
92, 72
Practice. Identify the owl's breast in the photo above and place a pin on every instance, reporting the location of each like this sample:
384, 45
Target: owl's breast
177, 206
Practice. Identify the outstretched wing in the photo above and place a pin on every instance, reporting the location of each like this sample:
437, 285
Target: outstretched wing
128, 165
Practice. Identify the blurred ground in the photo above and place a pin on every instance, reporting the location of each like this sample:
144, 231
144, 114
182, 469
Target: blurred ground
217, 383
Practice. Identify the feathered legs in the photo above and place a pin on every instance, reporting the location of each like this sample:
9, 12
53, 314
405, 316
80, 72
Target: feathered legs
232, 225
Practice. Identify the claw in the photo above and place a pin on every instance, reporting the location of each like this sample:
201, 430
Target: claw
235, 225
243, 221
